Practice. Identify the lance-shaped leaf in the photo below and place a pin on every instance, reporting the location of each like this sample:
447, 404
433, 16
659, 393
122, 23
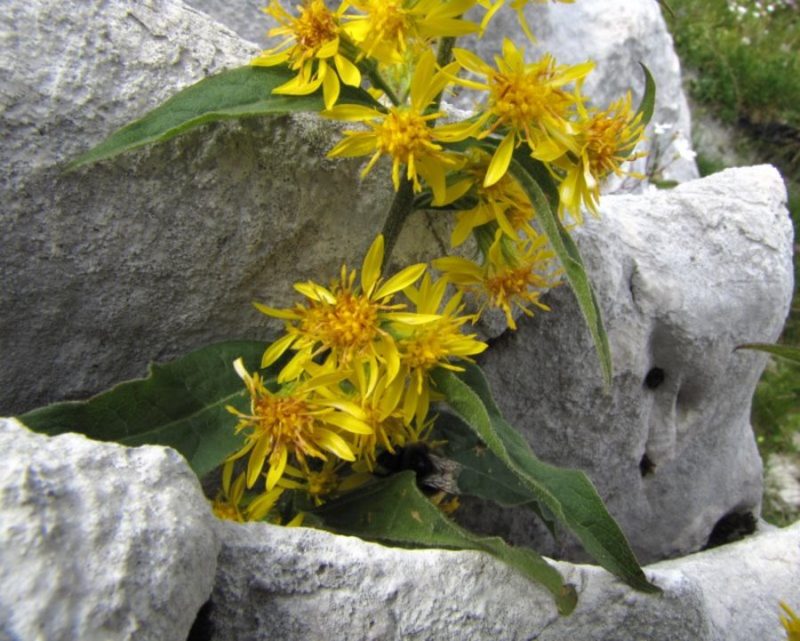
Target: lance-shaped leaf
232, 94
648, 104
180, 404
566, 250
393, 511
567, 494
786, 352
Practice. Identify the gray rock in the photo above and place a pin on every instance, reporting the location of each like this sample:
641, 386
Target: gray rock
275, 583
163, 250
682, 277
99, 541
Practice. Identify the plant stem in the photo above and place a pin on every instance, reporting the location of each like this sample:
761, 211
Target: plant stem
402, 206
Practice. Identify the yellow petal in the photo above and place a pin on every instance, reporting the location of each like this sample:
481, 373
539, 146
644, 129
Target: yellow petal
500, 161
335, 444
352, 113
277, 349
276, 467
330, 88
262, 504
315, 292
356, 144
256, 461
371, 267
286, 314
349, 423
401, 280
411, 318
348, 72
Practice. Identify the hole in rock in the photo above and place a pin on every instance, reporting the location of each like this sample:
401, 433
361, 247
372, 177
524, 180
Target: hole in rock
655, 377
646, 466
202, 629
731, 527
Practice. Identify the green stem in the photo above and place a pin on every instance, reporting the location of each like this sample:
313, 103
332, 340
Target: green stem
402, 206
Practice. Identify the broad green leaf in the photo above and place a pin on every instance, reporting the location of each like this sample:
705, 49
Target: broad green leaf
393, 511
786, 352
231, 94
180, 404
567, 494
567, 252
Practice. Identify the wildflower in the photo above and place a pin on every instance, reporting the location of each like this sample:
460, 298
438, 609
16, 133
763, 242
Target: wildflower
527, 102
790, 622
425, 347
386, 29
606, 140
312, 48
504, 203
404, 133
514, 274
291, 422
345, 319
229, 504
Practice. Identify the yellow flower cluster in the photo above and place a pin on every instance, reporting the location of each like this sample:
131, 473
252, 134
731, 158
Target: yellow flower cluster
356, 355
355, 383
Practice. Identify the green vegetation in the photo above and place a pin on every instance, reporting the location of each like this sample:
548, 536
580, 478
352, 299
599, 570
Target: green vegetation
742, 60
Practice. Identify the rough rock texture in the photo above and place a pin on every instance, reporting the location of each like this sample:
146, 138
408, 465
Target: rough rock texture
616, 34
682, 277
163, 250
99, 542
291, 584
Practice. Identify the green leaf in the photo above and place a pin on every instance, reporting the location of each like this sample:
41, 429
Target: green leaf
181, 404
393, 511
648, 104
567, 252
231, 94
787, 352
567, 494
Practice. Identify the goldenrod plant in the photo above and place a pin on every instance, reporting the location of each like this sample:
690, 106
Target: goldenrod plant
368, 414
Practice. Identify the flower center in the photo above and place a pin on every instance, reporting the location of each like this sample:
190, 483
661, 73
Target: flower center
350, 324
284, 418
388, 20
315, 26
521, 98
426, 350
403, 135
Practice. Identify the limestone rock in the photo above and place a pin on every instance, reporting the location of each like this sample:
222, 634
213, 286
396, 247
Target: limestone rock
682, 278
99, 541
288, 584
163, 250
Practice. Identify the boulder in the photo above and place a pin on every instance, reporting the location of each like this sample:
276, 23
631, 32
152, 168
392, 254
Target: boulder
163, 250
682, 277
277, 583
99, 541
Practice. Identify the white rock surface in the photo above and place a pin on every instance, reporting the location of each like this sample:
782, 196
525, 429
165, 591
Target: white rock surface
682, 277
99, 542
288, 584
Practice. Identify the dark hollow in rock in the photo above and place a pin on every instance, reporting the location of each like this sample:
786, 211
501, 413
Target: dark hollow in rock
731, 527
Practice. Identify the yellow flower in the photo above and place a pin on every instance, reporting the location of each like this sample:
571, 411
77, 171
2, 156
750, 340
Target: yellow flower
514, 274
606, 140
426, 347
228, 504
791, 623
527, 102
311, 37
317, 483
404, 133
345, 319
503, 202
386, 29
291, 423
